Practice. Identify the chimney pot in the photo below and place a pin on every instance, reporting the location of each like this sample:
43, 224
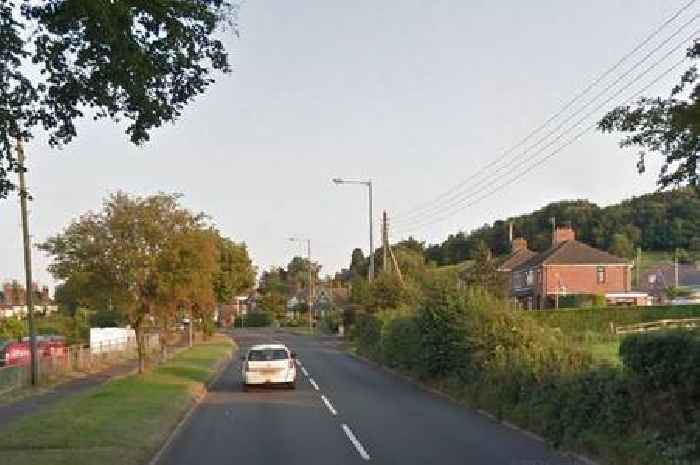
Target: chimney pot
563, 234
519, 244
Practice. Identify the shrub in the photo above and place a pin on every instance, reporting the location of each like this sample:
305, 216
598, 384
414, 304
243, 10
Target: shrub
401, 343
663, 360
254, 319
367, 334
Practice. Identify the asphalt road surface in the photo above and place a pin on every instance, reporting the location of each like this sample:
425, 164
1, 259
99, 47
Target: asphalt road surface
344, 411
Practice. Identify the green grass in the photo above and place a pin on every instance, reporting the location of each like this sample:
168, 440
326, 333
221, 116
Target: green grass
122, 422
594, 323
301, 330
606, 352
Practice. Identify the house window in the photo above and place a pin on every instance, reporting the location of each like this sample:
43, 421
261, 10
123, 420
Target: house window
528, 278
600, 271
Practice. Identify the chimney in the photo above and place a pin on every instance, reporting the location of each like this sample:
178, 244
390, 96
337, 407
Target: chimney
563, 234
510, 232
518, 244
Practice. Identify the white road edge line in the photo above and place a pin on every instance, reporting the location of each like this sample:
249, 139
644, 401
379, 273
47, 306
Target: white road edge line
360, 449
298, 362
328, 404
303, 370
313, 383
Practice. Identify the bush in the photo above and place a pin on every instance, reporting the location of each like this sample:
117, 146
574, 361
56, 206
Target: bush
254, 319
598, 320
367, 334
331, 321
664, 360
401, 343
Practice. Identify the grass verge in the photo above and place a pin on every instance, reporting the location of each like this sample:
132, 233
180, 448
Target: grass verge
121, 422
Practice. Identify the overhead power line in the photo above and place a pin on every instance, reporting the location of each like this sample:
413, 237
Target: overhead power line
430, 204
539, 162
497, 172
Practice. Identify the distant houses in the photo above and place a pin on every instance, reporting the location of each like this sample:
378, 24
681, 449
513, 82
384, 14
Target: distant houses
13, 300
568, 271
657, 280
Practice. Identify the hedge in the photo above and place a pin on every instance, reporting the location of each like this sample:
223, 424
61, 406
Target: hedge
597, 320
506, 361
254, 319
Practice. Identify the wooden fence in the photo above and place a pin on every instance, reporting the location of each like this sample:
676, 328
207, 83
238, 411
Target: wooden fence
687, 323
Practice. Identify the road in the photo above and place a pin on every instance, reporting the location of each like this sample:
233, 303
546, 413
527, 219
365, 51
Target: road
345, 411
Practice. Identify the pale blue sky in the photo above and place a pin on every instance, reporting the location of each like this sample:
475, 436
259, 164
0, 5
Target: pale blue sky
415, 95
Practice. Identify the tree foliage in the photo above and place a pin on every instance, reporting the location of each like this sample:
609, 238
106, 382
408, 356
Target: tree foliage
151, 256
236, 271
484, 274
142, 62
669, 127
659, 221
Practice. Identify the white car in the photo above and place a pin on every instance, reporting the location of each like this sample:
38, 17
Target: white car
269, 364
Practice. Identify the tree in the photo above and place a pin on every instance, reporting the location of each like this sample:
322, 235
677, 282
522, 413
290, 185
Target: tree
124, 250
236, 272
622, 246
483, 274
136, 61
359, 265
667, 126
12, 329
298, 271
274, 304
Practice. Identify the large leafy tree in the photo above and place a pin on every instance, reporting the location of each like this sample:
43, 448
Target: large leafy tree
138, 61
135, 249
236, 271
668, 126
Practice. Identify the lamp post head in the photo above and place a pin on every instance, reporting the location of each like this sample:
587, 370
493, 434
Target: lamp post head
338, 181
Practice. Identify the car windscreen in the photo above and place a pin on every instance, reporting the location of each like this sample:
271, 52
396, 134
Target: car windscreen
267, 355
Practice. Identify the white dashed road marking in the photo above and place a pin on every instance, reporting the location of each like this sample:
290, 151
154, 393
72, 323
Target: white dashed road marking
358, 445
329, 405
298, 363
303, 370
313, 383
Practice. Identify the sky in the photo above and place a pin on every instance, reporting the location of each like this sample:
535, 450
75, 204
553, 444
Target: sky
418, 96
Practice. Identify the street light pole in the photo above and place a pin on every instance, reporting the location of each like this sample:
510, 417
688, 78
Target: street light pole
368, 183
29, 297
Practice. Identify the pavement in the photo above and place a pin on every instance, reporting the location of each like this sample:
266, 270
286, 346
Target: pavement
28, 405
344, 411
35, 402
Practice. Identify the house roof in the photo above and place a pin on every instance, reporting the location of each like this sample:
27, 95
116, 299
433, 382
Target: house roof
516, 258
664, 276
571, 252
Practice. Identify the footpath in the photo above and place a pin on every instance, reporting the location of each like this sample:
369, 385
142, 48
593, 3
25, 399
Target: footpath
44, 398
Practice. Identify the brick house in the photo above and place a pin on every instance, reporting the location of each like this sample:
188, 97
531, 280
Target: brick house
519, 255
570, 267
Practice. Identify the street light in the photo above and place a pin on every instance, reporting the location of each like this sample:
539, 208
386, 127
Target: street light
368, 183
309, 287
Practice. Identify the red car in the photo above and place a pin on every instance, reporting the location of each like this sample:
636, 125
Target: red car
18, 353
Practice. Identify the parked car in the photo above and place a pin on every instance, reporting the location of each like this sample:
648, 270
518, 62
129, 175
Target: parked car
269, 364
16, 353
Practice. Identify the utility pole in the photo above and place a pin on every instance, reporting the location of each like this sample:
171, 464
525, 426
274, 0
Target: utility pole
637, 265
385, 243
554, 230
23, 195
387, 248
510, 235
370, 273
310, 290
675, 267
310, 284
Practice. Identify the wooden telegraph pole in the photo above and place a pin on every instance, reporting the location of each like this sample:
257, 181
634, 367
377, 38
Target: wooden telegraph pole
29, 293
